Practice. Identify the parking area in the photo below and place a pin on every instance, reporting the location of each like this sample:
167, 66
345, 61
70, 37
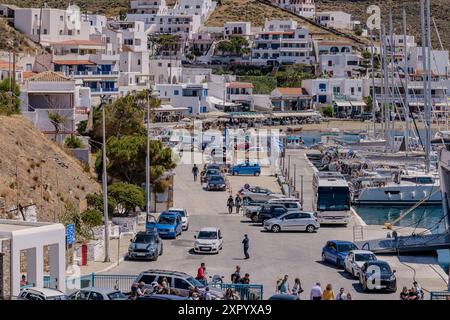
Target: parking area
297, 254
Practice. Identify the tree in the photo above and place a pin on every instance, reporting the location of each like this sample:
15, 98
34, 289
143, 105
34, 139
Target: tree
127, 155
240, 45
95, 201
225, 47
73, 142
9, 97
82, 127
92, 217
327, 111
127, 196
57, 120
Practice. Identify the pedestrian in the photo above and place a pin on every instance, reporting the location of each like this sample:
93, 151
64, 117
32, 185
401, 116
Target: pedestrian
195, 172
413, 295
341, 295
277, 285
208, 295
245, 279
284, 285
229, 294
201, 272
23, 281
316, 292
349, 296
297, 287
237, 203
419, 290
230, 204
404, 295
245, 292
328, 293
236, 276
245, 242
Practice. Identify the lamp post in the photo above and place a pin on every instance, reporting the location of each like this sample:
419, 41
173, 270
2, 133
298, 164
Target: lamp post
152, 95
105, 183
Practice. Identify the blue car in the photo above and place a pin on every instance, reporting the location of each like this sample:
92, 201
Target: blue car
169, 224
335, 251
246, 168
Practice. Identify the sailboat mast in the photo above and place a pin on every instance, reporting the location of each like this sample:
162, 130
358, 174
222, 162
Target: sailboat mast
374, 104
406, 72
386, 92
425, 84
393, 84
430, 100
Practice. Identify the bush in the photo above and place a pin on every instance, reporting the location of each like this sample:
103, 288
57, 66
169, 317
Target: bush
73, 142
92, 217
95, 201
81, 127
127, 196
327, 111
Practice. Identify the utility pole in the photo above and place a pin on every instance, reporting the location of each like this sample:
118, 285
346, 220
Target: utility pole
105, 184
387, 111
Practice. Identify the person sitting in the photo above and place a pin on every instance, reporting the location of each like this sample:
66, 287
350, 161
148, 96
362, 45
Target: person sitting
404, 295
141, 290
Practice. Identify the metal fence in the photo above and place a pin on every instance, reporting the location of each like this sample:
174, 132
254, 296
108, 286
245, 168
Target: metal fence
443, 295
246, 291
118, 282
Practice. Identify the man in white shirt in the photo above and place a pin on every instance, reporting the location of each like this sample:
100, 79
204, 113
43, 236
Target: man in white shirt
342, 295
316, 292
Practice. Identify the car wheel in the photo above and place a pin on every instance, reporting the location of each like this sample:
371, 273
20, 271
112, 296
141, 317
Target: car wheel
275, 228
233, 173
255, 218
161, 252
257, 173
155, 258
310, 228
324, 259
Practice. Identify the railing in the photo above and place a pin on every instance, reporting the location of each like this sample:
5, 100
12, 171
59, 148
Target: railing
95, 73
246, 291
104, 89
118, 282
443, 295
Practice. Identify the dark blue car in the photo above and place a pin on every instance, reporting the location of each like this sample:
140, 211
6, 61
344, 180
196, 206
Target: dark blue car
169, 224
335, 251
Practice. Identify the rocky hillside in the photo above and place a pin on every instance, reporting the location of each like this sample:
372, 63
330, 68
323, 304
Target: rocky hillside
11, 39
34, 170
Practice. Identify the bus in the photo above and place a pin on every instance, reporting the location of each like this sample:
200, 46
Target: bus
332, 198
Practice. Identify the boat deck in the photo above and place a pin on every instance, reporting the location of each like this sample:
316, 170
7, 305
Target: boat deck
407, 244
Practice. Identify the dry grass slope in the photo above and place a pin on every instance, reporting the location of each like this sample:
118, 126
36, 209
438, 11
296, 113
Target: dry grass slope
40, 179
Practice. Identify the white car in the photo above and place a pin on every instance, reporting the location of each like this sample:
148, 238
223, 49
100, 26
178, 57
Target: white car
184, 217
37, 293
259, 194
293, 221
355, 260
208, 240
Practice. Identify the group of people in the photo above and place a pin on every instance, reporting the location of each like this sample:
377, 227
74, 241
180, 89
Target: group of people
236, 202
415, 293
140, 289
316, 293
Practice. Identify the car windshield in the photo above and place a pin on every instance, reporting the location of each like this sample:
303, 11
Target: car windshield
211, 172
181, 212
166, 220
117, 296
195, 282
207, 235
365, 257
334, 199
345, 247
384, 267
144, 238
216, 179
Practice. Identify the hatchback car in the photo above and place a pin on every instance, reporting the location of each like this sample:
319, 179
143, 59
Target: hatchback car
145, 245
377, 275
36, 293
355, 260
208, 240
93, 293
184, 216
293, 221
247, 168
216, 183
169, 224
335, 251
208, 173
255, 193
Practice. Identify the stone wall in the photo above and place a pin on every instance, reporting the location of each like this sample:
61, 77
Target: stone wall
5, 269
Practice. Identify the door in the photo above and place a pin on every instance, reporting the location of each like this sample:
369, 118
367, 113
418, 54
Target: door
289, 222
182, 286
220, 239
302, 220
349, 262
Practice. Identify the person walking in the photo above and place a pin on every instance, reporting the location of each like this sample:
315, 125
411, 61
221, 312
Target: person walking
195, 172
238, 203
342, 295
316, 292
328, 294
284, 285
419, 290
245, 242
201, 273
236, 276
230, 204
297, 287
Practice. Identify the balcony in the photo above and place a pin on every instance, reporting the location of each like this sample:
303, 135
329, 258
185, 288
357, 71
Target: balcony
99, 91
87, 74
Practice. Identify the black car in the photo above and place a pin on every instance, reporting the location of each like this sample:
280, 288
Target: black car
204, 176
269, 211
284, 297
145, 245
216, 182
377, 275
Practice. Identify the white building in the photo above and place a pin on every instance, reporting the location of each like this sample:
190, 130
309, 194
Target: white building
337, 60
283, 42
201, 8
327, 90
305, 8
173, 23
49, 25
234, 95
6, 71
238, 28
439, 62
185, 95
96, 22
146, 10
335, 19
31, 237
165, 71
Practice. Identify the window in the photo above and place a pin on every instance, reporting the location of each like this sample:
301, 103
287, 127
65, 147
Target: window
61, 18
322, 86
181, 284
139, 62
95, 296
147, 278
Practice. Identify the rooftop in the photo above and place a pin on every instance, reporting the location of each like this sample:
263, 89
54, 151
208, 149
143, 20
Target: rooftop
49, 76
245, 85
5, 65
292, 91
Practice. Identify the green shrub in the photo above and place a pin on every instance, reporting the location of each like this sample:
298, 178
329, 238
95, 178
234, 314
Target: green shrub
92, 217
327, 111
73, 142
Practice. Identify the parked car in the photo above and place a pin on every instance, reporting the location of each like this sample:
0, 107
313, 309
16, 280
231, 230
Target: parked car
377, 268
37, 293
208, 240
160, 297
94, 293
179, 282
293, 221
246, 168
184, 216
355, 260
216, 183
292, 204
169, 224
255, 193
145, 245
335, 251
208, 173
269, 211
285, 297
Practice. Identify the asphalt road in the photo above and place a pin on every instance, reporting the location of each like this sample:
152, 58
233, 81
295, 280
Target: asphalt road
271, 255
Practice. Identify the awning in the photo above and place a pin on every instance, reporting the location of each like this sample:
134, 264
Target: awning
245, 115
350, 103
299, 114
220, 102
169, 108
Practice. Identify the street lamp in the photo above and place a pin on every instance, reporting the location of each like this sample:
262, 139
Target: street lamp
154, 95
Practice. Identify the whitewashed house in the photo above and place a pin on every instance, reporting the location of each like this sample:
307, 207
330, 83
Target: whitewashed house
305, 8
326, 90
185, 95
166, 71
237, 28
335, 19
283, 42
201, 8
6, 71
146, 11
336, 59
290, 99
